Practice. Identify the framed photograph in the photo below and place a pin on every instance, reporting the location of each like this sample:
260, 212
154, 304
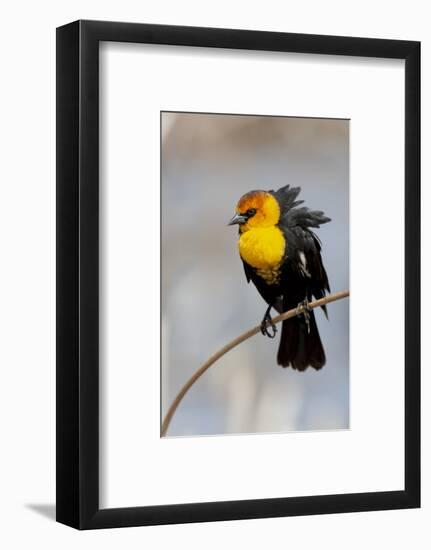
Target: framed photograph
238, 274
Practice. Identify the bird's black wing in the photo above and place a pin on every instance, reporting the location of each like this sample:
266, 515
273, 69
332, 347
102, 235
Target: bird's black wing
303, 248
303, 217
286, 197
291, 215
248, 270
303, 270
319, 279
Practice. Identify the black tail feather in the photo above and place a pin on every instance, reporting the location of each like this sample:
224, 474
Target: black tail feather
300, 348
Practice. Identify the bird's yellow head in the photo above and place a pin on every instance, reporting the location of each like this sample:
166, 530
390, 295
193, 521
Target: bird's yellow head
256, 209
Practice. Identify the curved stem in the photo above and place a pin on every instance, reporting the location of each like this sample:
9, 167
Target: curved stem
236, 342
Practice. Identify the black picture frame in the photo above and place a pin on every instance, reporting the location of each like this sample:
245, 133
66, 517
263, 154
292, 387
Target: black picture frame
78, 274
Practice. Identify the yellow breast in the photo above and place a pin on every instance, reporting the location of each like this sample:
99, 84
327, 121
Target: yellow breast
262, 248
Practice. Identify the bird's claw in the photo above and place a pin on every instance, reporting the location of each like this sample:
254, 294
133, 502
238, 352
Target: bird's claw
304, 309
268, 324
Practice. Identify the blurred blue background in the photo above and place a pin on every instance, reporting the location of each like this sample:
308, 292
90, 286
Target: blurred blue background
208, 162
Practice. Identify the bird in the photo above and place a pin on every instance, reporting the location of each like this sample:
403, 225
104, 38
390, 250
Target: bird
282, 256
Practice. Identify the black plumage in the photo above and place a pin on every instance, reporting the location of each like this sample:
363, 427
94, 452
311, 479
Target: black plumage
302, 278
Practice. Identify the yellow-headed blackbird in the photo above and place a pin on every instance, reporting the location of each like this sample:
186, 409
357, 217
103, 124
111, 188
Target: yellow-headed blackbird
282, 256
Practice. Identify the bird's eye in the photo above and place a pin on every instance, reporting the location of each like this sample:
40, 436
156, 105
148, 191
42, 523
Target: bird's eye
251, 212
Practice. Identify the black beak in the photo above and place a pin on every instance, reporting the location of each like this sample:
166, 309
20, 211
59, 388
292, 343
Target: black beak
238, 219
